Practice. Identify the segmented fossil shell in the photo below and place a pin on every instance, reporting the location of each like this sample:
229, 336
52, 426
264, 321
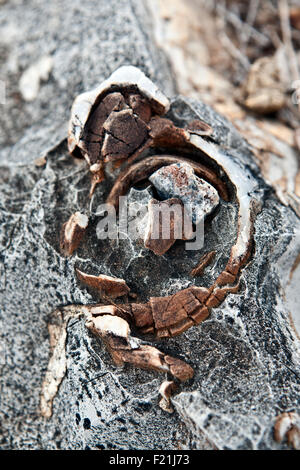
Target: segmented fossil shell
124, 77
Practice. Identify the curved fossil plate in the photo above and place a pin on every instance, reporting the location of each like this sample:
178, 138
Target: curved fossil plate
171, 315
126, 77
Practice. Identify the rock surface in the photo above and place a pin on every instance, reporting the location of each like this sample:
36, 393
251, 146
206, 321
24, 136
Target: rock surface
245, 356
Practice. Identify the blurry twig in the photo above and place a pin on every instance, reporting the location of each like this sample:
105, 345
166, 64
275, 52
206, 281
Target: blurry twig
245, 28
287, 38
251, 15
226, 41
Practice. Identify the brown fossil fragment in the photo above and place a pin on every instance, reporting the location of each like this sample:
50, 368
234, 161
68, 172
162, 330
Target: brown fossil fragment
111, 121
72, 233
179, 369
199, 127
40, 162
287, 426
166, 224
57, 365
107, 286
164, 133
218, 294
166, 390
172, 315
125, 132
123, 348
204, 261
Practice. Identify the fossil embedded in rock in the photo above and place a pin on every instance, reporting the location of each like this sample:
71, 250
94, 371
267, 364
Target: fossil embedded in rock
115, 332
166, 224
166, 390
111, 121
72, 233
179, 181
107, 286
123, 116
287, 425
204, 261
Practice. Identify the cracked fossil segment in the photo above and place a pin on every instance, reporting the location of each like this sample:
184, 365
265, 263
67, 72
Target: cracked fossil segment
72, 233
107, 286
245, 356
123, 118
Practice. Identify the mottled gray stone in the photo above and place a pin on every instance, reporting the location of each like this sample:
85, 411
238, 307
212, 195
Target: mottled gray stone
179, 180
245, 356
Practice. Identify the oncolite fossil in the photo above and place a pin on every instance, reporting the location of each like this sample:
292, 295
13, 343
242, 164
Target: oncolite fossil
121, 122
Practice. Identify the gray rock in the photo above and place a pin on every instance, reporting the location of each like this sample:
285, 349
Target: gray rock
179, 180
245, 356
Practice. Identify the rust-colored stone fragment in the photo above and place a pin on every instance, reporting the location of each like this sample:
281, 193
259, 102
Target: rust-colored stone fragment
200, 315
72, 233
107, 286
165, 225
179, 369
180, 327
140, 106
199, 127
204, 261
142, 315
125, 133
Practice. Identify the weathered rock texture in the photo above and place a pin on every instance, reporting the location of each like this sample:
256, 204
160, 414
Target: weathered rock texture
245, 356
